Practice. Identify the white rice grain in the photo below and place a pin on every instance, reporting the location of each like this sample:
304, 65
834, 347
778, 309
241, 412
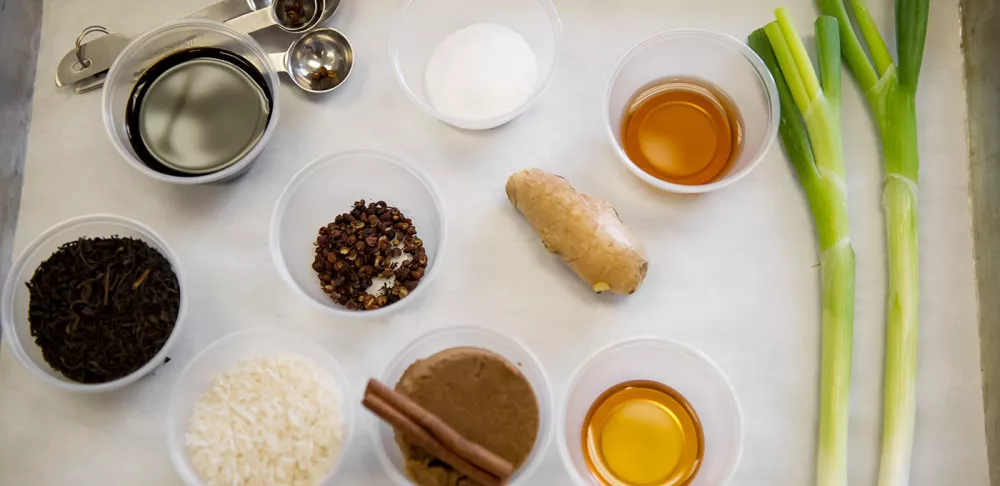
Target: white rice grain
269, 421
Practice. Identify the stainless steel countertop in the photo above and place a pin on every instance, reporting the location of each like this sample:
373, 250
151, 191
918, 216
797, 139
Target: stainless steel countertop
20, 26
981, 40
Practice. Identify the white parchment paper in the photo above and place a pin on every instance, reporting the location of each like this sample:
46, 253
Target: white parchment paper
732, 273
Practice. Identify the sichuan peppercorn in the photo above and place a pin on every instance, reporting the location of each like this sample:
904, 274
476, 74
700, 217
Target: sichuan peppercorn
371, 241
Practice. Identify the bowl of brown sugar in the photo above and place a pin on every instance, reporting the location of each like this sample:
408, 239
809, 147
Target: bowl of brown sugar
483, 385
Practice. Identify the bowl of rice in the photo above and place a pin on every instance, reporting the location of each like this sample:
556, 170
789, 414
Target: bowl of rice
260, 407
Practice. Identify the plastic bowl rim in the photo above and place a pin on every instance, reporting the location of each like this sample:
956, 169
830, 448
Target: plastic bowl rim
763, 77
281, 205
537, 454
7, 305
234, 168
487, 123
178, 451
577, 374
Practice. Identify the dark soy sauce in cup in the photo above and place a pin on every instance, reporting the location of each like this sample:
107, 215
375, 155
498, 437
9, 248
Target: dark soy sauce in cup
197, 111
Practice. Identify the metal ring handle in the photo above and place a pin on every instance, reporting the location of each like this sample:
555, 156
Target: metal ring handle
79, 41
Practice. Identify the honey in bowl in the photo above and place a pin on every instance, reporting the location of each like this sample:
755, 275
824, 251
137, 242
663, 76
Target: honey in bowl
682, 130
642, 433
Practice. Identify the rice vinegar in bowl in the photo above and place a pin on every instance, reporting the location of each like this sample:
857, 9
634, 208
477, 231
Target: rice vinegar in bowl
642, 432
649, 411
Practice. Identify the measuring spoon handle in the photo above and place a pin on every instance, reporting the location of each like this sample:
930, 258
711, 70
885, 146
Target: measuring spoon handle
253, 21
224, 10
278, 61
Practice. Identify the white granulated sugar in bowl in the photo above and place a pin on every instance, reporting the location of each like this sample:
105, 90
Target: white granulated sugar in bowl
273, 420
481, 71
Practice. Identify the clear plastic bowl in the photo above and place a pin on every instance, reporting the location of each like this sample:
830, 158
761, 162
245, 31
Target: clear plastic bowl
717, 58
154, 45
219, 357
432, 343
683, 368
14, 304
423, 24
329, 186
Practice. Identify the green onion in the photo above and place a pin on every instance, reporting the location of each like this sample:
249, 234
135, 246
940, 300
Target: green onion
891, 91
811, 134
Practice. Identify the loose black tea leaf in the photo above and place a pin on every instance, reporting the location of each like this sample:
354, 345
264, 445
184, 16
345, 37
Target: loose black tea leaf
101, 308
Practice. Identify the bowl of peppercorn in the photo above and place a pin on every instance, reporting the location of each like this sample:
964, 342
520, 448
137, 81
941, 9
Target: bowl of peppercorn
93, 304
359, 233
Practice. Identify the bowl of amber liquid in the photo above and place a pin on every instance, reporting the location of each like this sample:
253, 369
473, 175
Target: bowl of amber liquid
691, 111
650, 411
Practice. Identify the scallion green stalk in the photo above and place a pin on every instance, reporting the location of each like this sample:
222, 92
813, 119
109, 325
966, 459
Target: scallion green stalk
811, 134
891, 91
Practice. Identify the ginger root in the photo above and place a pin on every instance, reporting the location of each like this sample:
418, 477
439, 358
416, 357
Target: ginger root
586, 232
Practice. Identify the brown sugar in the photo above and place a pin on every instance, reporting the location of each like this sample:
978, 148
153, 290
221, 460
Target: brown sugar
482, 396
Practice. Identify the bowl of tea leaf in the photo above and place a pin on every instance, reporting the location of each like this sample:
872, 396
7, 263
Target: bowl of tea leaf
93, 304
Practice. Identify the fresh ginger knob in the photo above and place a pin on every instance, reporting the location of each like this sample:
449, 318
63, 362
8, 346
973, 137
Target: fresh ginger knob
601, 287
586, 232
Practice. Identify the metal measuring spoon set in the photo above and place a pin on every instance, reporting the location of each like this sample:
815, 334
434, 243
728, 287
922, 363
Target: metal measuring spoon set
319, 61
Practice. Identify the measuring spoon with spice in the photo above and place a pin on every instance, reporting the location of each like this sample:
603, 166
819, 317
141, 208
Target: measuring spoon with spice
318, 62
294, 16
85, 66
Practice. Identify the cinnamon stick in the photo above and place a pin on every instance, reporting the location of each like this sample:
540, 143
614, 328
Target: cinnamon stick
469, 450
426, 441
